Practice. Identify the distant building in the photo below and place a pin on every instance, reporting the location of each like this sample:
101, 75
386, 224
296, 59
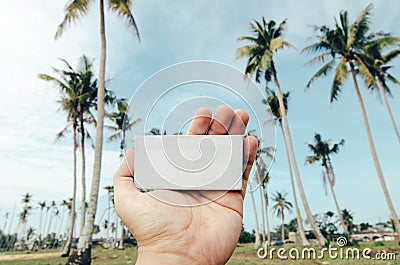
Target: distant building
376, 234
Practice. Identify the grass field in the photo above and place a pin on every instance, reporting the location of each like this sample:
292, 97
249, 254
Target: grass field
244, 254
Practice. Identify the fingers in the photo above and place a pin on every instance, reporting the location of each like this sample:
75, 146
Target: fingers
200, 122
222, 120
250, 146
239, 122
124, 186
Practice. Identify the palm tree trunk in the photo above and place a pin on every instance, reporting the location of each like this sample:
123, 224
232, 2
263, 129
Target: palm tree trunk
45, 222
304, 241
317, 232
83, 177
39, 227
67, 247
85, 240
49, 227
257, 244
389, 110
121, 240
262, 208
374, 154
283, 229
266, 215
108, 219
328, 175
115, 232
61, 222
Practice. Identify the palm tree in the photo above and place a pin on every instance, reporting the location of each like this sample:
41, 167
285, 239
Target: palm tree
257, 242
264, 216
345, 43
377, 64
348, 219
267, 39
279, 208
26, 210
29, 233
68, 205
322, 151
273, 103
45, 221
74, 10
42, 206
264, 184
88, 98
110, 193
121, 124
262, 178
69, 85
3, 231
53, 206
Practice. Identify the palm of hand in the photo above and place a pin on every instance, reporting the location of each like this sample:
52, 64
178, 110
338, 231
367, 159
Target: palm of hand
206, 234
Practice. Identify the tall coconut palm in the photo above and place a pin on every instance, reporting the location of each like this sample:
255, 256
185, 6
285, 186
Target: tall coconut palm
30, 233
378, 65
110, 194
53, 208
345, 43
262, 178
87, 102
68, 204
348, 219
69, 84
273, 103
264, 184
281, 205
266, 41
26, 211
264, 215
74, 10
42, 206
121, 124
322, 152
257, 242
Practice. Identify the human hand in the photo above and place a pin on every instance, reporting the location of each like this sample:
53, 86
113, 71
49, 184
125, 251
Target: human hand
205, 234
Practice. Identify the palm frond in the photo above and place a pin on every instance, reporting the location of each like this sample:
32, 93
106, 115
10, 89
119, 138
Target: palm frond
62, 133
391, 55
123, 9
323, 71
312, 159
365, 72
341, 74
319, 58
392, 79
359, 28
74, 10
383, 41
114, 136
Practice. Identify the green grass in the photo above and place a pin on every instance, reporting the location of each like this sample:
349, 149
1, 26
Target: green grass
244, 254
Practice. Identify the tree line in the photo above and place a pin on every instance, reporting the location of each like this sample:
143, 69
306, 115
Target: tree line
346, 49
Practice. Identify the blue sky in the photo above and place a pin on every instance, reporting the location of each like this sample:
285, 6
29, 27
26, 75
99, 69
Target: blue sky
171, 33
